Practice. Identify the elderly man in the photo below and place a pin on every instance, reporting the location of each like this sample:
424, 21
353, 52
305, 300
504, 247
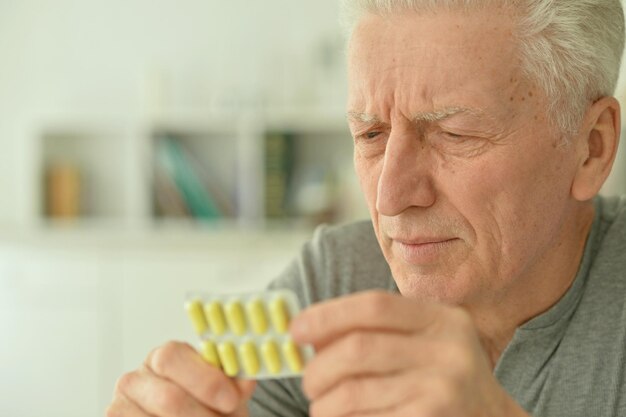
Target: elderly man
483, 131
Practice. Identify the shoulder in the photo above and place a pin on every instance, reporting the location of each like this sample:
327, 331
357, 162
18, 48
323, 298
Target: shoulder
612, 221
612, 207
337, 260
607, 247
348, 240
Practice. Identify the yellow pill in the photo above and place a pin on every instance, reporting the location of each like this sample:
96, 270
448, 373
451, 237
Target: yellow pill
236, 318
215, 314
279, 315
249, 358
256, 314
209, 353
228, 358
271, 357
196, 314
292, 354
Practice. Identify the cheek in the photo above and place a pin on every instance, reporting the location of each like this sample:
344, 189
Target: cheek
368, 172
516, 203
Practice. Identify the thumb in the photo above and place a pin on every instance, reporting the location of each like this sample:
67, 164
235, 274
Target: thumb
246, 387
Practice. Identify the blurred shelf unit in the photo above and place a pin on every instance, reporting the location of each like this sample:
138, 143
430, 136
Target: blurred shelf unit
186, 169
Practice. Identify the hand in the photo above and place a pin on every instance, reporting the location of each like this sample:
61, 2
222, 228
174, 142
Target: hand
175, 381
385, 355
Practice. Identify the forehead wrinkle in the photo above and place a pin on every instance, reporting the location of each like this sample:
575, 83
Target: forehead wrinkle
445, 113
363, 117
433, 116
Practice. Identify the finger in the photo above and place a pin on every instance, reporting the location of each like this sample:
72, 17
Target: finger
372, 310
360, 353
430, 393
181, 364
361, 395
421, 406
123, 407
246, 387
161, 397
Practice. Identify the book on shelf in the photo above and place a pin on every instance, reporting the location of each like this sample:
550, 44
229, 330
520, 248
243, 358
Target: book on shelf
279, 166
190, 188
168, 201
62, 191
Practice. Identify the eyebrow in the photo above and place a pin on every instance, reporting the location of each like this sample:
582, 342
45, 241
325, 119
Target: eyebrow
433, 116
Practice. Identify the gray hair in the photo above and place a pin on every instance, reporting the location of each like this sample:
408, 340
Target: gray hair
571, 49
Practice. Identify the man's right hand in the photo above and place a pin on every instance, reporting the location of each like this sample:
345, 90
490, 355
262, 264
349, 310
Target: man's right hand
175, 381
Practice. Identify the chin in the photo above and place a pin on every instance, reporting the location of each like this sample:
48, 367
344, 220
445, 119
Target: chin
440, 288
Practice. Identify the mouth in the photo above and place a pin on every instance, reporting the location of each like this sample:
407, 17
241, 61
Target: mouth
423, 250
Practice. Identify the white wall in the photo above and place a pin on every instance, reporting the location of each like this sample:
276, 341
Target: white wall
72, 315
119, 57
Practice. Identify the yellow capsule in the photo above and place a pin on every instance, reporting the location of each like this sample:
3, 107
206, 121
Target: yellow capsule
292, 354
228, 358
215, 314
196, 314
271, 357
279, 315
209, 352
236, 318
249, 358
256, 314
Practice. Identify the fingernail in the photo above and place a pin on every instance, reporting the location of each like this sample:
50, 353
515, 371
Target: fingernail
225, 399
298, 328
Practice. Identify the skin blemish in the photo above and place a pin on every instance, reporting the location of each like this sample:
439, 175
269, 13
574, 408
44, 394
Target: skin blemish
511, 99
530, 94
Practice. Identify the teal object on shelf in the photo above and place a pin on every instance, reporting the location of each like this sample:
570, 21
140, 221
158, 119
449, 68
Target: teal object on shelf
173, 158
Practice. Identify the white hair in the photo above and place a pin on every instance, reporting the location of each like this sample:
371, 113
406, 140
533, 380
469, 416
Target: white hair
571, 49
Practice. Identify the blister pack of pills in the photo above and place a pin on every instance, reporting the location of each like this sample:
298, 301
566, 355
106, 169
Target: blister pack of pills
246, 335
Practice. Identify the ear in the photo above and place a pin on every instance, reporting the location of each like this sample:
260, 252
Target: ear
597, 146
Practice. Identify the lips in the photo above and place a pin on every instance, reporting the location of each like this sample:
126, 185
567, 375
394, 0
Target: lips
422, 240
422, 250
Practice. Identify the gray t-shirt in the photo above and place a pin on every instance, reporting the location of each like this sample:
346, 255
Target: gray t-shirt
567, 362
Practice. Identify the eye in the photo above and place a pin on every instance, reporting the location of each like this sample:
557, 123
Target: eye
368, 136
451, 135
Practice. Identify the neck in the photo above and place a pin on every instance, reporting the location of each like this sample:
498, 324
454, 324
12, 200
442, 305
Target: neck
538, 289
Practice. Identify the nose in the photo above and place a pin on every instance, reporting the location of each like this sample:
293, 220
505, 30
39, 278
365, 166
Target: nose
406, 178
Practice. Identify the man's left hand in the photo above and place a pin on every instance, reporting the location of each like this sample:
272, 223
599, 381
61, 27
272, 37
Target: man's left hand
384, 355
